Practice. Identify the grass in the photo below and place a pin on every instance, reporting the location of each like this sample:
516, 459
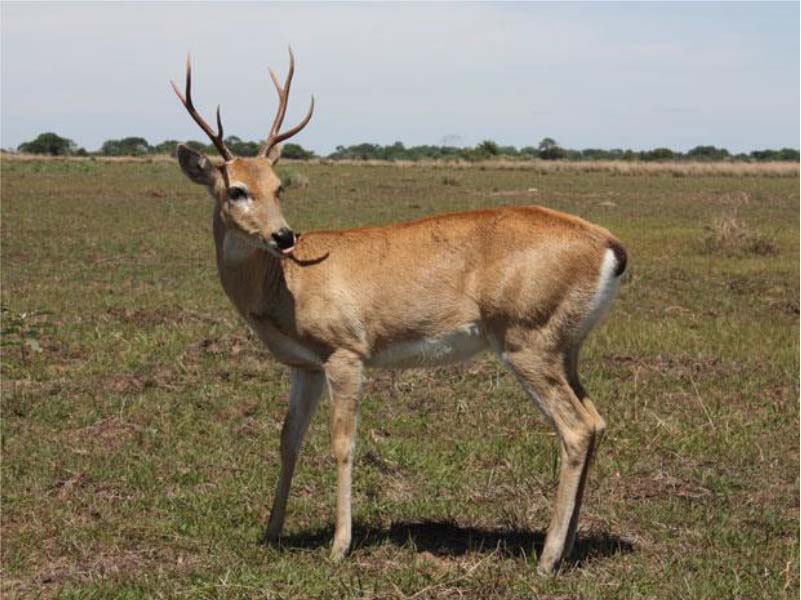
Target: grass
728, 234
679, 168
140, 420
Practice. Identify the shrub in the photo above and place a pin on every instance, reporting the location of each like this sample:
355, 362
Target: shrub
129, 146
291, 178
296, 152
659, 154
489, 148
730, 236
49, 143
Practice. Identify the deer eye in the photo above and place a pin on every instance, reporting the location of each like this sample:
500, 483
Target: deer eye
237, 193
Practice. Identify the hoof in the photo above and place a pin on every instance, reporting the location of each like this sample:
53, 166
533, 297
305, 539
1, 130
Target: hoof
547, 568
269, 538
338, 552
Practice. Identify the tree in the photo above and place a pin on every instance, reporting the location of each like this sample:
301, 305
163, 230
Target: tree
595, 154
488, 147
547, 143
363, 151
658, 154
49, 143
129, 146
197, 146
241, 147
550, 150
296, 151
708, 153
167, 147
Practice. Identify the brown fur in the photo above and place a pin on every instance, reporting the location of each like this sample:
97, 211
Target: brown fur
525, 275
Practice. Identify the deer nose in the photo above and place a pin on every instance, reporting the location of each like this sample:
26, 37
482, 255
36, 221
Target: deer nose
284, 238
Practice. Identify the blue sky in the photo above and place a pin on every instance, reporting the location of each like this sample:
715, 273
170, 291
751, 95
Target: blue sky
631, 75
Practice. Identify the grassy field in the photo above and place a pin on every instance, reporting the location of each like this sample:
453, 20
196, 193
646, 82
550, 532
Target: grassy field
140, 422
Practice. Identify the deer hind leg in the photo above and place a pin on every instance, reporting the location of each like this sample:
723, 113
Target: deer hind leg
545, 379
571, 368
304, 396
344, 373
599, 426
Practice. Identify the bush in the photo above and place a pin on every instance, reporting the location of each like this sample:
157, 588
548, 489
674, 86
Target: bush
129, 146
708, 153
167, 147
728, 235
658, 154
549, 149
49, 143
296, 152
241, 147
488, 147
291, 178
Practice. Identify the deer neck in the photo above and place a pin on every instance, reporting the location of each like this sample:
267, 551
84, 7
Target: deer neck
252, 278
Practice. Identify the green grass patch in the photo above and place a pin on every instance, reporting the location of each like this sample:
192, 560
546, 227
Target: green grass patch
141, 421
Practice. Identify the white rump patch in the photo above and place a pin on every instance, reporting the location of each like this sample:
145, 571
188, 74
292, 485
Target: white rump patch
453, 347
605, 293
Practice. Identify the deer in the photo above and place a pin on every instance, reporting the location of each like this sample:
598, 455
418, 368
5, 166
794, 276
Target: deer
525, 282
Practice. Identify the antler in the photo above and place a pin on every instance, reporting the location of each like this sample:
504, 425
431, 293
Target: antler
274, 137
216, 138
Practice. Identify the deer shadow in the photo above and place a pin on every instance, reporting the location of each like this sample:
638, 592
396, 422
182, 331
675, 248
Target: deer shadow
448, 539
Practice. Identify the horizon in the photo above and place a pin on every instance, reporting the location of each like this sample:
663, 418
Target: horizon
500, 144
633, 76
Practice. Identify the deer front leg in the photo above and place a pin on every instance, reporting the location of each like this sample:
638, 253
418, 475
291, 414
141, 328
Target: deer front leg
344, 373
304, 395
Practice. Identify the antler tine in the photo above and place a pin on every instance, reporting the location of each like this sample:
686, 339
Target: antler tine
279, 116
216, 138
290, 132
219, 125
283, 100
290, 73
283, 94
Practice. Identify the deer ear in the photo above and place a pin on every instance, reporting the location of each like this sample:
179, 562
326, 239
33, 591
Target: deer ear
275, 153
197, 167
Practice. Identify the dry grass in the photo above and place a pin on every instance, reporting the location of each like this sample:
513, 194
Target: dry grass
293, 178
729, 235
676, 169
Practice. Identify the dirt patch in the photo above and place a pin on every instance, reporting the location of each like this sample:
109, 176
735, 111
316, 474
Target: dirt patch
151, 317
161, 377
231, 345
117, 564
109, 433
69, 484
246, 419
680, 366
660, 485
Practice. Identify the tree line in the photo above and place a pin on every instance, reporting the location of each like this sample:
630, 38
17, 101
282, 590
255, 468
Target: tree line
547, 149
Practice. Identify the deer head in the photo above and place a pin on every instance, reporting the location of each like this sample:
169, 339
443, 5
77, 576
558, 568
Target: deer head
247, 190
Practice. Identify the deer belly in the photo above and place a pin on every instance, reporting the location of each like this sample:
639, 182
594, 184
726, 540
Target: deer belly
453, 347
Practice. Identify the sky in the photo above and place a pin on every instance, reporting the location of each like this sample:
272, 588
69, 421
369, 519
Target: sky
590, 75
